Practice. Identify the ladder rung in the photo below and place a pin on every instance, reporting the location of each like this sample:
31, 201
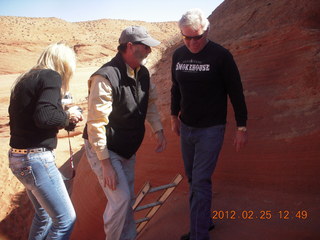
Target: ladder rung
148, 206
143, 192
142, 220
154, 207
162, 187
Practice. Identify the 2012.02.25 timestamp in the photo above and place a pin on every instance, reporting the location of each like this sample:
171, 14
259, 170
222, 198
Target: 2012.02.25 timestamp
259, 215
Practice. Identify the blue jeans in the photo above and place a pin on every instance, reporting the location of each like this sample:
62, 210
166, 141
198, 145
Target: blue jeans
54, 213
200, 149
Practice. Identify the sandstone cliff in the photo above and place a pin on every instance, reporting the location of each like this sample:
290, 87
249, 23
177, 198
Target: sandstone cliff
276, 47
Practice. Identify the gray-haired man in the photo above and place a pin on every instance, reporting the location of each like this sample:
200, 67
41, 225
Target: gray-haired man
204, 74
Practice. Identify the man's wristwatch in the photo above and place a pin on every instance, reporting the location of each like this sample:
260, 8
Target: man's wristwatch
242, 129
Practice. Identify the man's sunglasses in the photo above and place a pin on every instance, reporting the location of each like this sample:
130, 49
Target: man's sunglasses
198, 37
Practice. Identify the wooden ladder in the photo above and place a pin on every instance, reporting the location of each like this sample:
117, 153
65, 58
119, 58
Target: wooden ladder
154, 207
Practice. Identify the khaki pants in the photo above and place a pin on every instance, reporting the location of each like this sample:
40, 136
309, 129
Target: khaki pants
118, 215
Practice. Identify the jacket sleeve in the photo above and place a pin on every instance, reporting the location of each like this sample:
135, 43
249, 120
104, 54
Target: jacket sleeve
99, 109
48, 111
234, 88
153, 116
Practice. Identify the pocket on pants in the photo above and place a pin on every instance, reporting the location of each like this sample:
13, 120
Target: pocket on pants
22, 169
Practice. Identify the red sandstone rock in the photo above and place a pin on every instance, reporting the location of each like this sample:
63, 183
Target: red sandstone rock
276, 46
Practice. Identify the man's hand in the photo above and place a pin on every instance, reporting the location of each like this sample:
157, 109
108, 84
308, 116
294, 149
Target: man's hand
162, 142
175, 125
110, 178
240, 139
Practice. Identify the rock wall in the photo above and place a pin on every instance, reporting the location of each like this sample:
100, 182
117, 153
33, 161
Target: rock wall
276, 46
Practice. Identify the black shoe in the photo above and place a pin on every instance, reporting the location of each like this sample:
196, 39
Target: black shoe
187, 235
211, 227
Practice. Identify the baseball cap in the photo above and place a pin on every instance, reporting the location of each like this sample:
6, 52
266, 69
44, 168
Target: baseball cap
137, 34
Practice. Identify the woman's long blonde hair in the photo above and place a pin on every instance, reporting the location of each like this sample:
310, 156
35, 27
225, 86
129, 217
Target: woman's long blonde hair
60, 58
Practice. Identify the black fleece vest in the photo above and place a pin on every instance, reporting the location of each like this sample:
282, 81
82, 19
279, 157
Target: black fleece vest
125, 130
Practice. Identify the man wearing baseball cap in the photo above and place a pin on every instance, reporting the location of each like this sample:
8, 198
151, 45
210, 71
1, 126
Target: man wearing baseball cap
121, 98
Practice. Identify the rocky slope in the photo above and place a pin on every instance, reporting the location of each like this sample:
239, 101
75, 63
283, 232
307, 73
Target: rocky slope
95, 42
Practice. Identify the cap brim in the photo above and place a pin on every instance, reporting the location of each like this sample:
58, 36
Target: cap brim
151, 42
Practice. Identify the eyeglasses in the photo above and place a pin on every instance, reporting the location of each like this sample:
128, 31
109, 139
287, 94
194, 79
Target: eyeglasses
196, 38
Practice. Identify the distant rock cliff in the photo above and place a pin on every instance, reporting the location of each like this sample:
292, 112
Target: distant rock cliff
22, 39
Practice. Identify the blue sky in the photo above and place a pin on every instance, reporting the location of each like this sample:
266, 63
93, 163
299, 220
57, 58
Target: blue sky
84, 10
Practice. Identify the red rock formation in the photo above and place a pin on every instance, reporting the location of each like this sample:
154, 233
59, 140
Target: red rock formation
276, 45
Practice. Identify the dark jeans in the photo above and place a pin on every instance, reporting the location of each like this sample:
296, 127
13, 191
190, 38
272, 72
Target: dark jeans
200, 150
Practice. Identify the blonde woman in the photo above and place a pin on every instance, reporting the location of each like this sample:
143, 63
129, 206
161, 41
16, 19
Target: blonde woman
36, 115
